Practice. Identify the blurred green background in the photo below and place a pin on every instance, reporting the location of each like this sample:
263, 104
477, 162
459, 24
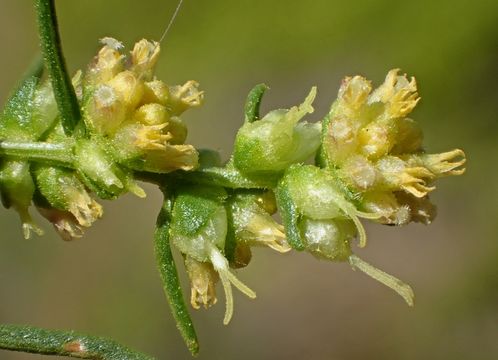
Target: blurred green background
107, 284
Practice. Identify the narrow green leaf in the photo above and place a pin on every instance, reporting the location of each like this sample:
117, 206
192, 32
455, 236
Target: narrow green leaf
253, 101
16, 115
290, 216
64, 343
65, 95
169, 277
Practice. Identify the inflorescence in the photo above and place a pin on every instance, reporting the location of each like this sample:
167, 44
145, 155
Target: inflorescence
368, 162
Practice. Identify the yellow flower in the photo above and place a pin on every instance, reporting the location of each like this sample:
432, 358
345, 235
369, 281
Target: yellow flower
144, 58
108, 63
183, 97
203, 280
397, 93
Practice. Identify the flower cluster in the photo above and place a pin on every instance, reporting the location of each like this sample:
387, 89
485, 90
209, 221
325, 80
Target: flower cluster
368, 163
376, 150
131, 123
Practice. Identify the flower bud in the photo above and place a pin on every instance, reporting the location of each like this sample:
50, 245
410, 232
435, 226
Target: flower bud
104, 110
376, 139
155, 91
144, 57
151, 114
129, 88
178, 130
277, 140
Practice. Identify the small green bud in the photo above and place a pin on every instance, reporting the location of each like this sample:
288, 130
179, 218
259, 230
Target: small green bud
277, 140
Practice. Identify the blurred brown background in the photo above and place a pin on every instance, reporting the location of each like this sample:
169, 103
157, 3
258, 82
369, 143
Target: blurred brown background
107, 284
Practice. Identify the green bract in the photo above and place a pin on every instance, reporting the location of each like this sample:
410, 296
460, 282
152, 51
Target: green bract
277, 140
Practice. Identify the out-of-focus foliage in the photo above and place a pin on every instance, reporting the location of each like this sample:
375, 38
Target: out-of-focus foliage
305, 309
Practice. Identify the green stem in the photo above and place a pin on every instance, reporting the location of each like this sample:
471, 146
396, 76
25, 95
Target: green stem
59, 154
169, 277
64, 343
54, 59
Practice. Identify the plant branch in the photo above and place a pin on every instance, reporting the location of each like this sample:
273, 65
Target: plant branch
58, 154
64, 343
65, 95
169, 277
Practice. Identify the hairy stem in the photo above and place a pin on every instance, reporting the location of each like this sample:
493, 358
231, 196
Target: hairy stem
169, 277
64, 343
58, 154
56, 65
